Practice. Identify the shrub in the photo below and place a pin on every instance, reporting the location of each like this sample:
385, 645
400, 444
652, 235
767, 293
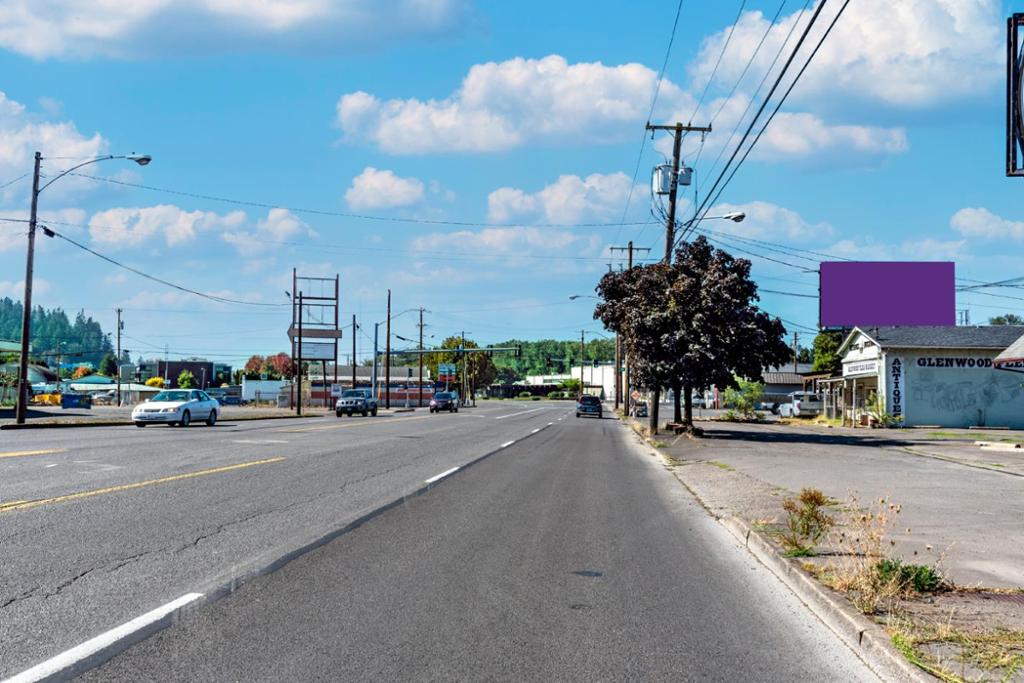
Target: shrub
155, 382
876, 409
535, 398
81, 371
186, 380
918, 577
525, 394
806, 521
745, 399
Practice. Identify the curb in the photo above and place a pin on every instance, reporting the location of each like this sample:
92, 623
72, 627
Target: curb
228, 582
864, 637
129, 423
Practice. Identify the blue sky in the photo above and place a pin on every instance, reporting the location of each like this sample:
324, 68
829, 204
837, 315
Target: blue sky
507, 116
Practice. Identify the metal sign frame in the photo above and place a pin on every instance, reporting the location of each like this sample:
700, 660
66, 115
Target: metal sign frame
1014, 91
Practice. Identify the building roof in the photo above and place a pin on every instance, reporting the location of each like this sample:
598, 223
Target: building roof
1014, 353
942, 336
773, 377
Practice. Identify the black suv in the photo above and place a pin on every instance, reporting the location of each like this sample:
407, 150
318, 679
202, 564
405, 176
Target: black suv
444, 400
588, 405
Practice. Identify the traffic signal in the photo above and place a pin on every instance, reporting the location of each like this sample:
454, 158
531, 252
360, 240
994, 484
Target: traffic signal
547, 362
519, 350
596, 363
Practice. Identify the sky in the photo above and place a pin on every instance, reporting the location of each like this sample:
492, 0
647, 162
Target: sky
480, 158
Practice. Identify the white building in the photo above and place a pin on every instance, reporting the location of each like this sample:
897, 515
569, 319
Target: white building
602, 377
929, 375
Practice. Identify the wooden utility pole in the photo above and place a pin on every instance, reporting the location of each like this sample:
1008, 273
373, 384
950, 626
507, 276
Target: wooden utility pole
796, 353
354, 327
670, 224
583, 353
24, 386
298, 369
387, 357
629, 249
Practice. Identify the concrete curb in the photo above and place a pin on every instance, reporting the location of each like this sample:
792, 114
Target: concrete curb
866, 638
228, 582
129, 423
863, 636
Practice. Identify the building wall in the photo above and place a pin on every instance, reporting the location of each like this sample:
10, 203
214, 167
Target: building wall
953, 388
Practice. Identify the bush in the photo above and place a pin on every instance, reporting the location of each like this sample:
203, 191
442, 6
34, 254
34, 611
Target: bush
535, 398
81, 371
745, 399
155, 382
524, 394
921, 578
186, 380
806, 522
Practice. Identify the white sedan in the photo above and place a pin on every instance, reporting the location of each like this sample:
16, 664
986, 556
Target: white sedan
177, 406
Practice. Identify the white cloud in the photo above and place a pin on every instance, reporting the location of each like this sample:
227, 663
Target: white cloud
145, 28
131, 227
766, 221
280, 225
504, 105
983, 224
570, 199
382, 189
911, 53
22, 133
16, 288
511, 242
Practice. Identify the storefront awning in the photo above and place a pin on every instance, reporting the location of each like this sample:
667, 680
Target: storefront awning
1012, 359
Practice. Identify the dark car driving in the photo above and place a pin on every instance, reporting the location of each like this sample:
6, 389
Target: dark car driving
588, 405
444, 400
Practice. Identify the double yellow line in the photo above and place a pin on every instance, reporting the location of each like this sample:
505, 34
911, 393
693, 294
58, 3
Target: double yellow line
26, 504
18, 454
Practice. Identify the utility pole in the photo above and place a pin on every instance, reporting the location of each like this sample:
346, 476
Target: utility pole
353, 350
387, 358
796, 353
298, 369
629, 249
24, 387
419, 390
670, 225
120, 326
583, 351
462, 388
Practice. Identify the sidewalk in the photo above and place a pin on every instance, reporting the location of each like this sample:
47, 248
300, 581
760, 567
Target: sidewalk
961, 509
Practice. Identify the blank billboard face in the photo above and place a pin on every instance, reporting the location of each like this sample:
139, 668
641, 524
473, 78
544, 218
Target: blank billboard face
887, 293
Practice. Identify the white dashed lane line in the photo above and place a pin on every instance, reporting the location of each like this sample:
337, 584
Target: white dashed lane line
441, 476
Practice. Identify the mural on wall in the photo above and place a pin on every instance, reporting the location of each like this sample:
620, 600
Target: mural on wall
963, 392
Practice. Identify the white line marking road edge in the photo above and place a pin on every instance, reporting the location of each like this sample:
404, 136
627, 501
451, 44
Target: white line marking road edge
65, 661
536, 430
524, 412
444, 474
508, 443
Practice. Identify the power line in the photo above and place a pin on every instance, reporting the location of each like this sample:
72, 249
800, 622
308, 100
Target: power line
718, 62
650, 113
775, 291
11, 182
341, 214
211, 297
778, 81
782, 100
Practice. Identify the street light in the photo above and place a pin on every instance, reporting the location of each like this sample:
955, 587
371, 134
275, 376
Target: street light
573, 297
734, 216
26, 318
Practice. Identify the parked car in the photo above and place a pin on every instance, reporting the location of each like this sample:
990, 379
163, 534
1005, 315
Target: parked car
697, 401
444, 400
588, 405
354, 401
802, 404
177, 407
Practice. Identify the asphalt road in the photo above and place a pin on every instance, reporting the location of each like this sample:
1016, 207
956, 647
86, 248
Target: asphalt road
99, 525
568, 556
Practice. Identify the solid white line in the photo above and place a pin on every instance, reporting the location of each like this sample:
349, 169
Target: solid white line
502, 417
90, 647
537, 430
508, 443
550, 423
442, 475
258, 441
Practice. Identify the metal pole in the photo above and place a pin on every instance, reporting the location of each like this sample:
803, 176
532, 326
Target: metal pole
583, 351
387, 358
373, 381
419, 390
462, 384
298, 369
24, 388
119, 328
353, 350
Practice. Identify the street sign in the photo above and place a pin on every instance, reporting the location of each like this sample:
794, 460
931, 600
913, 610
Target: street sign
635, 395
335, 390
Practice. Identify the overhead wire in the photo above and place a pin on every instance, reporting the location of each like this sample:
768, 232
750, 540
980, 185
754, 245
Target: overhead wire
718, 62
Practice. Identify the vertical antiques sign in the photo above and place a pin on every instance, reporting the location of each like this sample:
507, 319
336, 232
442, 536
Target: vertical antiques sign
897, 388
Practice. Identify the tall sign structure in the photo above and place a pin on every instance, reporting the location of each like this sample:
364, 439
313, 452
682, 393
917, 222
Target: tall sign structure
314, 332
1014, 91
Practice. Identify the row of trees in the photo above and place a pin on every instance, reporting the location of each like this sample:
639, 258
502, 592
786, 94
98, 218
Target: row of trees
690, 324
278, 366
54, 334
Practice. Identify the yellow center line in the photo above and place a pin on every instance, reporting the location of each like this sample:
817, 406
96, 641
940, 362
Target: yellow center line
293, 430
25, 504
18, 454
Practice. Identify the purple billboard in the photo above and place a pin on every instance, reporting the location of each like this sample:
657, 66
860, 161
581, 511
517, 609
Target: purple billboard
887, 293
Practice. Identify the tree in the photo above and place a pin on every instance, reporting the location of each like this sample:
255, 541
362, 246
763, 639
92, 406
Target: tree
254, 367
826, 352
479, 368
186, 380
507, 375
155, 382
572, 385
1007, 319
744, 398
236, 376
805, 355
108, 366
81, 371
279, 366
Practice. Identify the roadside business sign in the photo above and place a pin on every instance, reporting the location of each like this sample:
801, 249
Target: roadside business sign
335, 390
